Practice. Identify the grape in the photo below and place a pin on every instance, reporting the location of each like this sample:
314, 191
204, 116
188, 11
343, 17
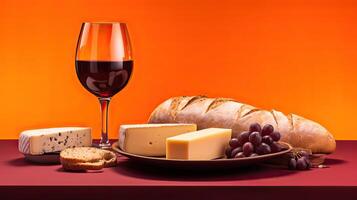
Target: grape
243, 138
255, 127
301, 163
228, 152
267, 129
275, 136
248, 148
275, 147
292, 163
253, 155
234, 143
263, 149
308, 163
255, 138
235, 151
304, 154
267, 139
239, 155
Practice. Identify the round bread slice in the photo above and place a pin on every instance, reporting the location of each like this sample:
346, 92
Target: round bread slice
87, 158
81, 155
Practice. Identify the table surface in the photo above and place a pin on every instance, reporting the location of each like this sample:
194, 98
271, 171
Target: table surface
15, 171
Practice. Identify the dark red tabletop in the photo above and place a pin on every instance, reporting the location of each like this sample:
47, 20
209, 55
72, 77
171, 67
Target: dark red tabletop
19, 177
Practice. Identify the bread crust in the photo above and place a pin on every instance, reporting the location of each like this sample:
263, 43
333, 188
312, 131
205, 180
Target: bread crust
98, 165
110, 158
228, 113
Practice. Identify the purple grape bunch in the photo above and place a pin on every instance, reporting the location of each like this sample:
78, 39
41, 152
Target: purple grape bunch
256, 141
301, 161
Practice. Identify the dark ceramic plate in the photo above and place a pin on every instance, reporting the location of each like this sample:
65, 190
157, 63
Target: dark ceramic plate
201, 164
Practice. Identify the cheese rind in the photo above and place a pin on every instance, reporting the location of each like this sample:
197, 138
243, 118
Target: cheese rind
49, 140
204, 144
149, 139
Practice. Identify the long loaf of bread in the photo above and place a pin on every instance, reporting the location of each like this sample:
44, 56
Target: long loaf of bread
228, 113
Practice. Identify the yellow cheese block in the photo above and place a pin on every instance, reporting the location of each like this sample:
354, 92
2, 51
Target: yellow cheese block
205, 144
149, 139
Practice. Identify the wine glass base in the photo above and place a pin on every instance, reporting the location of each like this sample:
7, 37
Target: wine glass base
103, 145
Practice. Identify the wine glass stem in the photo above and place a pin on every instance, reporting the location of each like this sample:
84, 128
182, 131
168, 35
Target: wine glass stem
104, 104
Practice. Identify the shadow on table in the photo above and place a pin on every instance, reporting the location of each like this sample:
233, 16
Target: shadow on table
133, 169
60, 169
22, 162
332, 161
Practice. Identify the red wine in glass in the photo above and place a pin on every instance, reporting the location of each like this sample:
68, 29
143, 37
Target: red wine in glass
104, 78
104, 64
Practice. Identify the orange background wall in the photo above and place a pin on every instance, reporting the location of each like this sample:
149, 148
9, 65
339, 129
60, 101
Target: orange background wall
294, 56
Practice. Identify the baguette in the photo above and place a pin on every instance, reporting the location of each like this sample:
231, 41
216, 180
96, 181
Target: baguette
228, 113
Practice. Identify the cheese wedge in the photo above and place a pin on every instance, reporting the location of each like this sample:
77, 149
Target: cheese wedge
204, 144
49, 140
149, 139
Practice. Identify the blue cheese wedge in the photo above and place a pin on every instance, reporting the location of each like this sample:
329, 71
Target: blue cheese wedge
50, 140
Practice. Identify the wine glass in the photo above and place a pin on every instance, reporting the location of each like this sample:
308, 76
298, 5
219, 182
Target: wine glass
104, 64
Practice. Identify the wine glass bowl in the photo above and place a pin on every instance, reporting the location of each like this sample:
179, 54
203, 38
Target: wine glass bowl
104, 64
